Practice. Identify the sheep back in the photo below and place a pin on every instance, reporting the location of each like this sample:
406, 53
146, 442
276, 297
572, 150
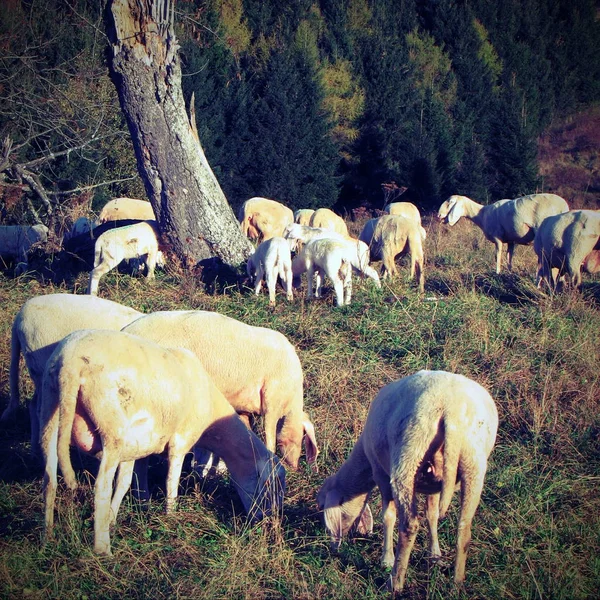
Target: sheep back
119, 209
326, 218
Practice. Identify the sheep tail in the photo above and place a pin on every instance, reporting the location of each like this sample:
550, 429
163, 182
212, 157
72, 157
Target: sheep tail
451, 453
15, 354
67, 392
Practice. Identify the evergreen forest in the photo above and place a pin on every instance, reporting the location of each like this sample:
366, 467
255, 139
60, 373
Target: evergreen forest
335, 103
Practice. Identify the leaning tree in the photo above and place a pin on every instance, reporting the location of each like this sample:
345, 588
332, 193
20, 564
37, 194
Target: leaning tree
191, 209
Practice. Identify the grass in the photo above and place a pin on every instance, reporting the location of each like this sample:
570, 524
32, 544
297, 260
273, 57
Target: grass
536, 534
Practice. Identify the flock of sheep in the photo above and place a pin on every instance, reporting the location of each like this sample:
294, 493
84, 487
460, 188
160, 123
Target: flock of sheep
146, 384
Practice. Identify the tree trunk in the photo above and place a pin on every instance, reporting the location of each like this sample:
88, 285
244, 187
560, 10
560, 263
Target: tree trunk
192, 211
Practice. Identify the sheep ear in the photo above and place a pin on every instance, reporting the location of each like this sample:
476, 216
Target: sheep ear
333, 522
310, 443
364, 523
455, 213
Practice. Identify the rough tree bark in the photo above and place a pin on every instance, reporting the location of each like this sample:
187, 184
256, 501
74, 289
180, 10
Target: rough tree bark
191, 209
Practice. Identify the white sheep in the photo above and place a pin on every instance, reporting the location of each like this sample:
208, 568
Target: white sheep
302, 216
121, 398
272, 259
257, 369
392, 236
506, 221
16, 240
138, 241
42, 322
298, 234
120, 209
326, 218
423, 433
335, 258
262, 219
568, 244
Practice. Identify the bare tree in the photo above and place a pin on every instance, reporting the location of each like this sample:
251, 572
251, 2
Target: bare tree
188, 202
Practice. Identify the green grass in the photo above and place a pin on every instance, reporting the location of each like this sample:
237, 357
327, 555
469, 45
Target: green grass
537, 530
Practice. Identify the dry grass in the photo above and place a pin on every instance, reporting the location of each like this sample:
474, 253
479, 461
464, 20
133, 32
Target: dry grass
536, 533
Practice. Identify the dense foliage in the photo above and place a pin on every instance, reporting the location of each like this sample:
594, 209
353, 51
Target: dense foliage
316, 103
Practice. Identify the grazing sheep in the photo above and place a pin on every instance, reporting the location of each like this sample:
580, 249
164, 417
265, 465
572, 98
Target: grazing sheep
394, 235
568, 243
257, 369
335, 258
298, 235
326, 218
121, 398
16, 240
423, 433
408, 210
119, 209
271, 259
262, 219
139, 241
303, 215
82, 225
506, 221
42, 322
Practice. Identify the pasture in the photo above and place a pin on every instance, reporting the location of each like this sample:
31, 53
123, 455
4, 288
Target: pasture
536, 534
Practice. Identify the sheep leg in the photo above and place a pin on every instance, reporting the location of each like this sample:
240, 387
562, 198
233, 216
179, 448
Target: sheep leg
432, 511
388, 513
407, 534
173, 476
271, 277
348, 286
310, 276
49, 448
102, 501
471, 489
498, 244
319, 276
258, 278
124, 476
150, 265
510, 252
338, 286
288, 278
34, 420
97, 272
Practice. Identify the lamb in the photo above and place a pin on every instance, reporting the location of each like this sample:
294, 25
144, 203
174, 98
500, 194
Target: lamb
138, 241
303, 215
119, 209
423, 433
257, 370
298, 235
16, 241
40, 325
121, 398
335, 258
326, 218
271, 259
568, 243
506, 221
262, 219
394, 235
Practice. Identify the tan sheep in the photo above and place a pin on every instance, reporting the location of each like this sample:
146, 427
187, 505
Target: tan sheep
408, 210
42, 322
138, 241
303, 215
506, 221
423, 433
261, 218
122, 398
327, 219
119, 209
257, 369
567, 244
393, 236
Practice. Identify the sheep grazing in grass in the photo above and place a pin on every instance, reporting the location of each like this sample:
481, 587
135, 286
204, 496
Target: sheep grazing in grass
424, 433
122, 398
120, 209
42, 322
80, 226
408, 210
261, 218
17, 240
391, 236
298, 235
506, 221
272, 259
567, 244
257, 369
335, 258
138, 241
303, 215
327, 219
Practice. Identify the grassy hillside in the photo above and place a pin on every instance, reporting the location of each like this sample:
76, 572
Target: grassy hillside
536, 533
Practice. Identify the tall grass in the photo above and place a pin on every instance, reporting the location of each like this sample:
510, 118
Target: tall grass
536, 533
